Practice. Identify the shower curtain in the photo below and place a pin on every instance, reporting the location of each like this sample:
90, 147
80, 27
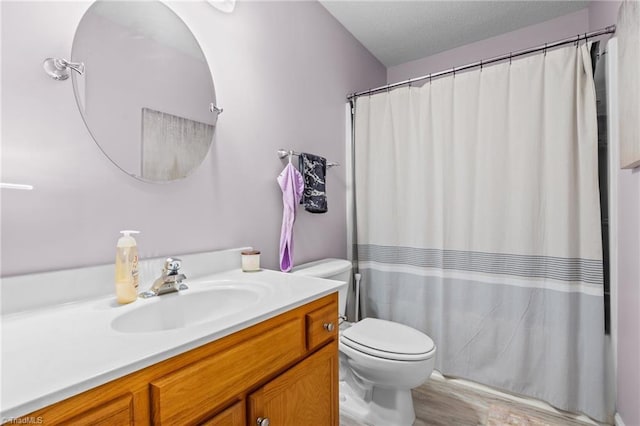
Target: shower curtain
478, 223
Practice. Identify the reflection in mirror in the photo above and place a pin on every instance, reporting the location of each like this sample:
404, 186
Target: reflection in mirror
147, 92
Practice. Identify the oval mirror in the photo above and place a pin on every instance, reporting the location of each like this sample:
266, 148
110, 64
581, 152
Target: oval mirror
147, 95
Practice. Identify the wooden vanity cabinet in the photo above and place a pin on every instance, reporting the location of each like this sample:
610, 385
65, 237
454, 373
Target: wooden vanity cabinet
284, 369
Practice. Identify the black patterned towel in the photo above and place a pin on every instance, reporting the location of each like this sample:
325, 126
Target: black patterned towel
313, 169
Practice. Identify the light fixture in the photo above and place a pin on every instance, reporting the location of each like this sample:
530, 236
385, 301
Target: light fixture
225, 6
21, 186
58, 68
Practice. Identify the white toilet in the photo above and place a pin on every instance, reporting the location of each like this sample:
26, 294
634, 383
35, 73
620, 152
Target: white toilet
380, 361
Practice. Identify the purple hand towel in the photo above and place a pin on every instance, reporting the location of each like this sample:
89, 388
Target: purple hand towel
292, 185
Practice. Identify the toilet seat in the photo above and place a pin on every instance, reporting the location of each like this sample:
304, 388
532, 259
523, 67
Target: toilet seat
388, 340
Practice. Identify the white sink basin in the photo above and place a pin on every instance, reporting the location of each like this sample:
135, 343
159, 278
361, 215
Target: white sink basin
188, 308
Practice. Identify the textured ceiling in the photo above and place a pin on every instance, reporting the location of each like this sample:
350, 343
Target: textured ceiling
400, 31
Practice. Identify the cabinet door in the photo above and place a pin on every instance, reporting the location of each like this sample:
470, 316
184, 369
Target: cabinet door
306, 394
118, 412
232, 416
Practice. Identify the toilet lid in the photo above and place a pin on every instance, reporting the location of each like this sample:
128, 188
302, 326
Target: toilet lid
388, 339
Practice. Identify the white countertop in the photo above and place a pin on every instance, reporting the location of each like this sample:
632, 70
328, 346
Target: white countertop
53, 353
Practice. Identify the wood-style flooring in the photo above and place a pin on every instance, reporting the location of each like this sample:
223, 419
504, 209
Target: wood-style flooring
442, 402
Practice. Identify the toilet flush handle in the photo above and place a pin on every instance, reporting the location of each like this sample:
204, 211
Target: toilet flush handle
328, 326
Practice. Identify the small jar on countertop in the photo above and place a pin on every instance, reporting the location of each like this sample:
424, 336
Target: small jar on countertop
250, 260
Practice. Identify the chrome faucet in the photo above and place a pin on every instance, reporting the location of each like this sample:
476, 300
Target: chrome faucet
169, 282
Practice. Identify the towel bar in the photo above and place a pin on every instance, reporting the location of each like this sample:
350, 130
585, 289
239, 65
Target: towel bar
283, 153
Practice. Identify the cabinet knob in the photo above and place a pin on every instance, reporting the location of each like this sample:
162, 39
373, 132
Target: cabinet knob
263, 421
328, 326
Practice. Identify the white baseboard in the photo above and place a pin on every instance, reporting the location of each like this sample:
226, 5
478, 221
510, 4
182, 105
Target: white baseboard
617, 420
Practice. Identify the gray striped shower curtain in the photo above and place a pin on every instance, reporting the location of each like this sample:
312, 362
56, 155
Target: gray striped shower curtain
478, 223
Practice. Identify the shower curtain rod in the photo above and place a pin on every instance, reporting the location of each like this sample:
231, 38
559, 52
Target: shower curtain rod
586, 36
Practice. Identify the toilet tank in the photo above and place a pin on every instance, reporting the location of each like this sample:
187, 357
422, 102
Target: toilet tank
332, 269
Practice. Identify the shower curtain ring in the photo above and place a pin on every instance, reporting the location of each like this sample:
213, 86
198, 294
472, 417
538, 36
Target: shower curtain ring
454, 72
545, 49
578, 41
510, 57
429, 78
480, 64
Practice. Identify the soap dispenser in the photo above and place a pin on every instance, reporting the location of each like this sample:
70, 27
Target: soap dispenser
127, 268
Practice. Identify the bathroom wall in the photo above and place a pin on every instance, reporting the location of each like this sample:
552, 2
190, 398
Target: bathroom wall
629, 296
603, 13
533, 35
282, 71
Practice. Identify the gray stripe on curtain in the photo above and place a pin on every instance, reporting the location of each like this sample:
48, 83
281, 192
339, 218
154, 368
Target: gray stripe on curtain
494, 332
555, 268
